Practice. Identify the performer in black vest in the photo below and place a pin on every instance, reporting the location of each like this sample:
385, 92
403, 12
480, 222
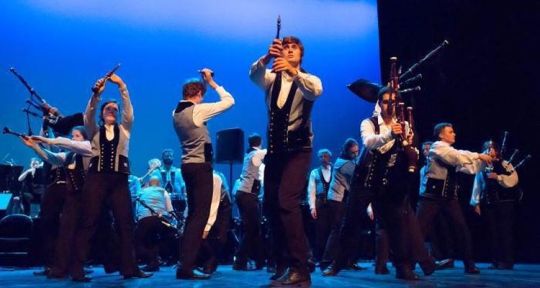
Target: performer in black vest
494, 196
247, 199
290, 94
441, 192
75, 163
317, 194
189, 120
107, 179
382, 177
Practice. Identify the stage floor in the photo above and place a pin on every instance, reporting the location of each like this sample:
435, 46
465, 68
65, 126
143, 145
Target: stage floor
523, 275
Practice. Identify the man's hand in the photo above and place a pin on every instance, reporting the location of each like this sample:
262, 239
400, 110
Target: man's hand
314, 213
493, 176
208, 78
485, 158
281, 64
205, 234
477, 210
396, 129
274, 51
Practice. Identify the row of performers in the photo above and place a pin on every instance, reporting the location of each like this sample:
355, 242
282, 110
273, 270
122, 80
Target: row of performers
380, 176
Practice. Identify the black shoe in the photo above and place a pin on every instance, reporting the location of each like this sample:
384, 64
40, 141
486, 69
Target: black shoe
355, 267
109, 269
293, 278
209, 269
505, 266
471, 269
311, 265
280, 271
406, 274
381, 270
445, 264
56, 274
331, 270
192, 275
83, 279
43, 272
239, 266
138, 274
150, 268
428, 267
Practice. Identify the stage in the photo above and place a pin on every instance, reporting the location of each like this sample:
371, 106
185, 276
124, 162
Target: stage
523, 275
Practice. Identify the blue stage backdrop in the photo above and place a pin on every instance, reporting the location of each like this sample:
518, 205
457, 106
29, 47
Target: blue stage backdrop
62, 47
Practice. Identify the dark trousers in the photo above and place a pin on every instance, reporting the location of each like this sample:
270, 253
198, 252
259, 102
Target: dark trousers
101, 188
148, 234
334, 215
429, 208
199, 185
382, 247
179, 207
442, 239
66, 236
52, 203
212, 246
500, 221
251, 242
285, 179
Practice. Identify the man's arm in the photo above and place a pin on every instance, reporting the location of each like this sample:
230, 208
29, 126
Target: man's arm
370, 139
310, 85
204, 112
311, 191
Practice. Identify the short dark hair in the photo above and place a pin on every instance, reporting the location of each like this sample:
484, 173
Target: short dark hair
82, 130
324, 151
490, 144
192, 87
384, 90
350, 142
254, 140
295, 40
166, 150
426, 143
439, 127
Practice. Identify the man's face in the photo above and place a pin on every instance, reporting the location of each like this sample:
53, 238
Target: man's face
325, 159
448, 135
385, 102
425, 149
292, 52
353, 151
167, 157
76, 135
110, 113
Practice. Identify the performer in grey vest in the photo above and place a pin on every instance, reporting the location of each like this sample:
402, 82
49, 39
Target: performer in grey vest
441, 190
247, 199
107, 179
189, 120
290, 95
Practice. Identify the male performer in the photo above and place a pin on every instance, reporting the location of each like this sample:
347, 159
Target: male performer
153, 205
172, 181
494, 196
339, 187
247, 199
218, 226
442, 240
442, 188
290, 95
189, 120
33, 180
107, 179
382, 177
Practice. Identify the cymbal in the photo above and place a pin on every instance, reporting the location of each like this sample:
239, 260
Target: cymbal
365, 89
